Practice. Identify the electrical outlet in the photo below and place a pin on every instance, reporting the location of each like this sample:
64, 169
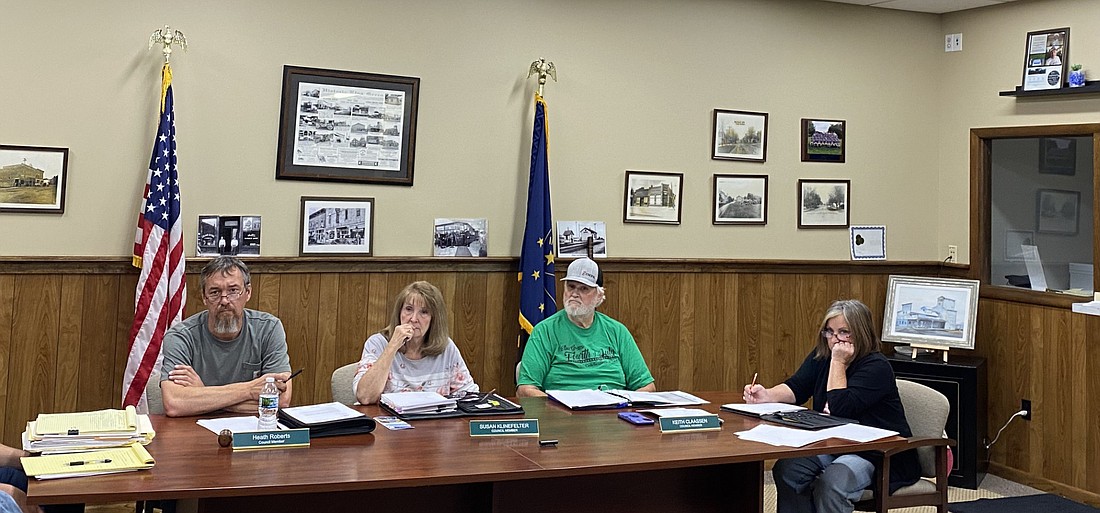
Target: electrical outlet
953, 42
1025, 405
953, 253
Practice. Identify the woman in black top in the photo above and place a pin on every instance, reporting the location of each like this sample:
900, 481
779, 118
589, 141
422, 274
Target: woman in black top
847, 376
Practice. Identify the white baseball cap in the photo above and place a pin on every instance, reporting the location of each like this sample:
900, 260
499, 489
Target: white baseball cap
584, 270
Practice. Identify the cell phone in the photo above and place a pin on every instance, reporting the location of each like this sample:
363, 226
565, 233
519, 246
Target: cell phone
634, 417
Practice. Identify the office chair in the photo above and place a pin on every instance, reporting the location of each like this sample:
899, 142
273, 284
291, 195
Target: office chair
341, 384
926, 412
153, 397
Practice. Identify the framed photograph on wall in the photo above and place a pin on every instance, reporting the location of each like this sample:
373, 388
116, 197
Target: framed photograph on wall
32, 179
822, 140
336, 226
651, 197
740, 135
1015, 240
577, 238
1057, 211
1046, 59
1058, 156
824, 203
460, 237
938, 312
740, 199
344, 126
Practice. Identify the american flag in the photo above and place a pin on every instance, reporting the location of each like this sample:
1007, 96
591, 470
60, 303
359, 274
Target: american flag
158, 251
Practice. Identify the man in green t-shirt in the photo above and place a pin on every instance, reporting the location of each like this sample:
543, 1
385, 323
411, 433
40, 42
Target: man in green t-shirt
579, 348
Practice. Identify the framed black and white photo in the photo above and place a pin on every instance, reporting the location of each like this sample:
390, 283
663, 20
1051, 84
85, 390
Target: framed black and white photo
576, 238
740, 199
931, 312
1057, 211
228, 235
822, 140
740, 135
1046, 59
652, 197
824, 203
336, 226
344, 126
32, 179
461, 238
1058, 156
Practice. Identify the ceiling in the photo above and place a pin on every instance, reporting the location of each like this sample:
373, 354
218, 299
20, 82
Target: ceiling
930, 6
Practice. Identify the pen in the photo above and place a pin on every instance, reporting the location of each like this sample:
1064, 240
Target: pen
753, 380
297, 372
88, 462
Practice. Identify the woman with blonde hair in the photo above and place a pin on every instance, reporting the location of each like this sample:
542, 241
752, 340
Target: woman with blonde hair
414, 352
847, 376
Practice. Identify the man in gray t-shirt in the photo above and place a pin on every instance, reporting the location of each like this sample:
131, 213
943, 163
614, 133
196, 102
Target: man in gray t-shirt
218, 359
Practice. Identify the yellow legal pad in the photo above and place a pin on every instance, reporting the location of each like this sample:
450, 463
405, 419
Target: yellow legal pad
101, 421
91, 463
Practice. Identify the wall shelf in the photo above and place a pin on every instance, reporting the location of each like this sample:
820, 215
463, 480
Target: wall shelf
1090, 87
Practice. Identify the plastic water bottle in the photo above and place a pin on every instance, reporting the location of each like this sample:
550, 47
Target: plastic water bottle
269, 405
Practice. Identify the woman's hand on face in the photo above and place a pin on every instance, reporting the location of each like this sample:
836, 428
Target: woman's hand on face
401, 334
843, 352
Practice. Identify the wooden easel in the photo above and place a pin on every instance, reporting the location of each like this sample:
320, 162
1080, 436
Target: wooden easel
913, 354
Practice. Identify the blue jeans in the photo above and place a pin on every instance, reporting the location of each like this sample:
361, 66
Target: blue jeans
821, 484
13, 476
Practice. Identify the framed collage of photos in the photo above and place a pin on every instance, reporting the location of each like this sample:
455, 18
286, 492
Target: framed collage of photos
344, 126
1046, 59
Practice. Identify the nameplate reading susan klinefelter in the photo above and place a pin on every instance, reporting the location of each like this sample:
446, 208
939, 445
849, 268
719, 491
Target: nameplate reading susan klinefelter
690, 423
514, 427
273, 439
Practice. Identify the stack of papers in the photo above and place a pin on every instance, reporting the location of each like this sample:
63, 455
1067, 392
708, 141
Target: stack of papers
593, 399
586, 399
54, 433
791, 437
418, 402
671, 398
93, 463
760, 409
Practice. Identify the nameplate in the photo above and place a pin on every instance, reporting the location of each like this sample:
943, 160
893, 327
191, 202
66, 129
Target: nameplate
514, 427
273, 439
692, 423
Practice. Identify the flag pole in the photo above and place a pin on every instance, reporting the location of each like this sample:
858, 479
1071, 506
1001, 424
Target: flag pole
158, 245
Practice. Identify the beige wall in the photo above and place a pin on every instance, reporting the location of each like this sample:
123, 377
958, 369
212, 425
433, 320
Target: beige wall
637, 84
992, 61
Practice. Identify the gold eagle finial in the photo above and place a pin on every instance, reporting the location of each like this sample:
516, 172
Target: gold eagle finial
166, 37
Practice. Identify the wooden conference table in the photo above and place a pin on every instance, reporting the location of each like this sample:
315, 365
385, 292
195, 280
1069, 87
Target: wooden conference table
599, 464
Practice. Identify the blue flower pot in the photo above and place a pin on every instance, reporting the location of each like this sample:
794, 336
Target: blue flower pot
1077, 78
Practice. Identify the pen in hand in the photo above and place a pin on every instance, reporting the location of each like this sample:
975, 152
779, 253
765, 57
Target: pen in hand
754, 375
297, 372
88, 462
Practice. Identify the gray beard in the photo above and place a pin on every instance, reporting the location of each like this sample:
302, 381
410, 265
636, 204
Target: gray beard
227, 324
579, 311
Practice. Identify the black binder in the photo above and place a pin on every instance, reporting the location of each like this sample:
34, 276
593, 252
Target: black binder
353, 426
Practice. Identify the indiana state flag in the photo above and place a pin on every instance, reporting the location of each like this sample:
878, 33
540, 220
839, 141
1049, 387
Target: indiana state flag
537, 293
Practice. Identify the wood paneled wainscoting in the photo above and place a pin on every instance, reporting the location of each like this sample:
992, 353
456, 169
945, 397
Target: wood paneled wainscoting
701, 325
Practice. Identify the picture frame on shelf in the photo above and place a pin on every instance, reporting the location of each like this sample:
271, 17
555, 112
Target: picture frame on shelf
740, 199
1057, 211
345, 126
740, 135
823, 140
936, 312
824, 203
1046, 59
1058, 156
652, 197
334, 226
32, 179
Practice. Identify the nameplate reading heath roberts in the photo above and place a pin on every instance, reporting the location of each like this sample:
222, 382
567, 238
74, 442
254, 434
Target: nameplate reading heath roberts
273, 439
515, 427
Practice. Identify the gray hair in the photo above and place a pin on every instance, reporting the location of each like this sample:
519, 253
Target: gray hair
223, 265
